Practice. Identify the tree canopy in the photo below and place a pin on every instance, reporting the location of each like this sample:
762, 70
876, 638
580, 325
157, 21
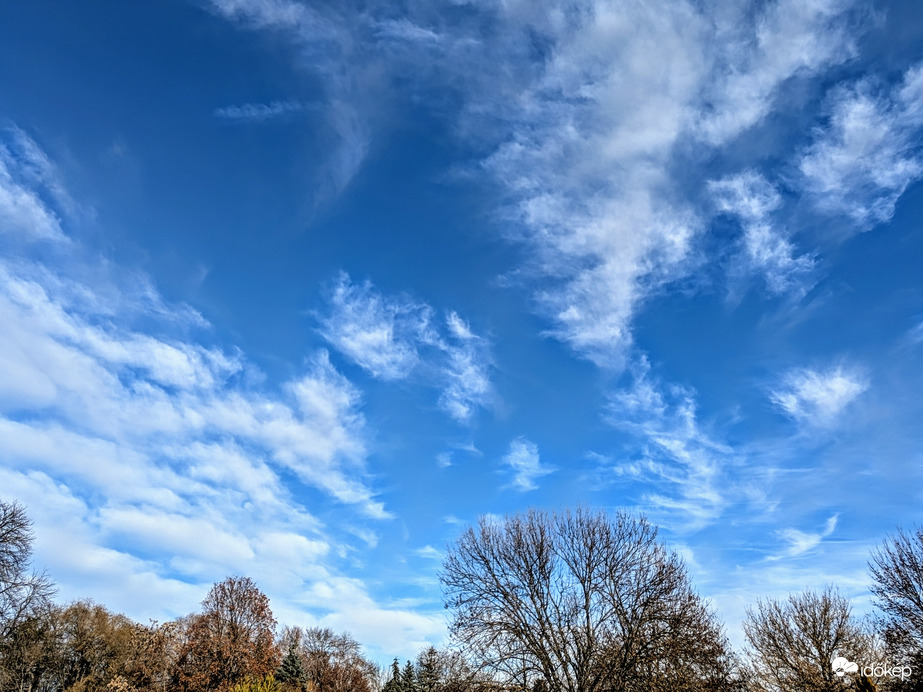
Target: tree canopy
581, 602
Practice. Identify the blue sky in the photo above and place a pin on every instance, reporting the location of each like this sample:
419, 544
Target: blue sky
297, 290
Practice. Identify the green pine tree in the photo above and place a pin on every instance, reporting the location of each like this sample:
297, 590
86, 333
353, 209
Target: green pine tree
428, 670
409, 678
394, 684
291, 672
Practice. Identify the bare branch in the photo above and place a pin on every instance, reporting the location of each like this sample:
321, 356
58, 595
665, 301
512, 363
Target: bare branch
581, 602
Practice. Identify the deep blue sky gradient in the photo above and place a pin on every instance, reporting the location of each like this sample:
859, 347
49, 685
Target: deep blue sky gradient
331, 280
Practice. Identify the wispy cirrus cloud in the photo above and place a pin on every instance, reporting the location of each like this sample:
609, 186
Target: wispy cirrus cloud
328, 47
279, 14
756, 50
593, 133
25, 172
915, 333
466, 370
390, 337
257, 112
818, 399
584, 164
582, 125
861, 163
405, 30
800, 542
766, 249
525, 465
380, 335
684, 466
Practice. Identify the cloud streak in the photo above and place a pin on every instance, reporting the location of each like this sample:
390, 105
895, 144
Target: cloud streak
24, 172
686, 466
328, 47
258, 112
800, 542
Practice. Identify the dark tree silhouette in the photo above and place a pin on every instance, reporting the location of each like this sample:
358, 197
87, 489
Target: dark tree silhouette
22, 591
794, 642
581, 602
897, 570
26, 640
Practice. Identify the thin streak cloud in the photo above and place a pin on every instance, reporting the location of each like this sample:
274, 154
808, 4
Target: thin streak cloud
257, 112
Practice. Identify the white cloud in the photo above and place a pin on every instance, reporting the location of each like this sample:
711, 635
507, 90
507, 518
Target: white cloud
428, 552
380, 335
275, 14
584, 165
256, 112
766, 250
525, 465
864, 160
800, 542
23, 168
747, 194
756, 54
818, 399
591, 136
466, 371
405, 30
684, 463
117, 384
392, 336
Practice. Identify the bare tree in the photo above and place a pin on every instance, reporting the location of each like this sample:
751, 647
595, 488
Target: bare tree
334, 662
446, 670
25, 596
21, 590
581, 602
897, 570
794, 642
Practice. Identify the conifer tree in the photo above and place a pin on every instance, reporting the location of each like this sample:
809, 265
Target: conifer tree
409, 678
291, 672
394, 683
428, 670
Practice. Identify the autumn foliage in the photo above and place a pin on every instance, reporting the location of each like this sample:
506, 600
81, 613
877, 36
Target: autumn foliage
230, 641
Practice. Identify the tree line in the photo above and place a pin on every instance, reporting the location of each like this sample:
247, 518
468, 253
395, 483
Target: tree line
577, 601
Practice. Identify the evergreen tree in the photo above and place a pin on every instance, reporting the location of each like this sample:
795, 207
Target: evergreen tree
428, 670
409, 678
394, 684
291, 672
